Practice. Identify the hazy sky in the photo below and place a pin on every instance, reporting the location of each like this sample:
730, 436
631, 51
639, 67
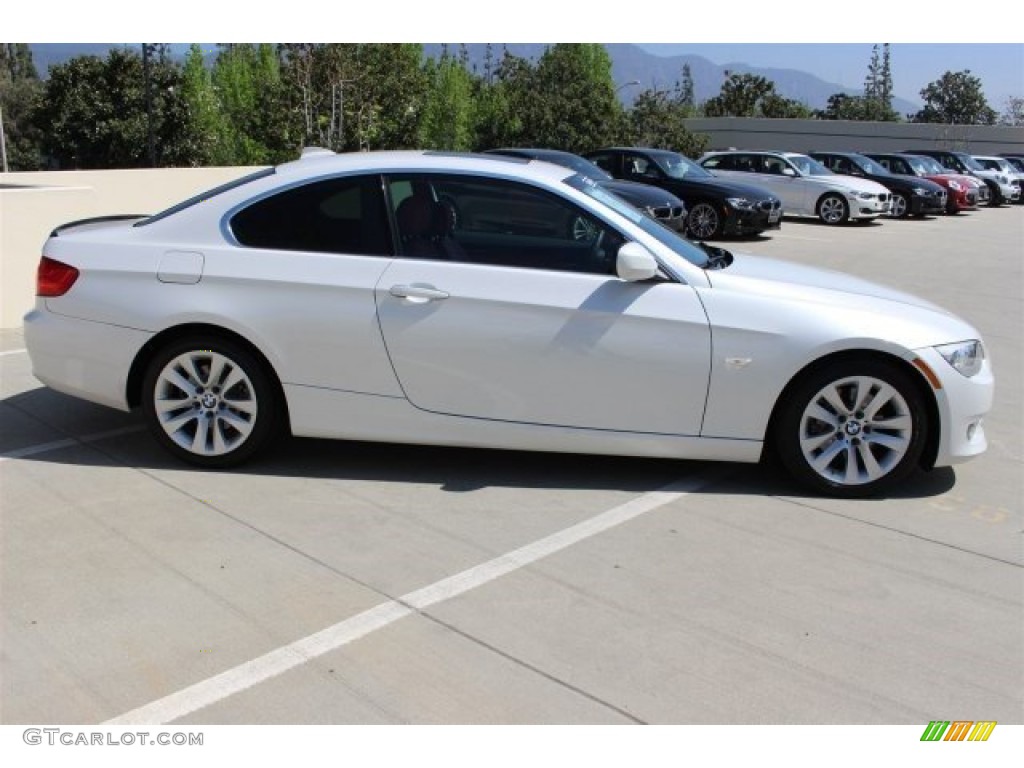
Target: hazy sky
992, 50
914, 65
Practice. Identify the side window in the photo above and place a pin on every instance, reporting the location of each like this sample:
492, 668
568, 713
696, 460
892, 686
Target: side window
339, 215
719, 162
840, 165
499, 223
773, 165
605, 163
639, 167
745, 163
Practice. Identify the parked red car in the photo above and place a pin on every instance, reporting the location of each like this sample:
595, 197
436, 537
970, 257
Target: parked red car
963, 193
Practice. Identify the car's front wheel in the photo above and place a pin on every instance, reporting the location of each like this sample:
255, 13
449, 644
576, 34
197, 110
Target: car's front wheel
852, 429
704, 223
833, 209
209, 401
900, 205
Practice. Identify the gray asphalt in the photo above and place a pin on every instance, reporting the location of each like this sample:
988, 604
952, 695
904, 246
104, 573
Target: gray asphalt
128, 578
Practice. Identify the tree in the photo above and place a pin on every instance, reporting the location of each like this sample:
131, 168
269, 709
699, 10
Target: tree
657, 119
346, 96
746, 95
842, 106
448, 116
207, 126
20, 90
1014, 112
685, 92
955, 98
579, 110
877, 100
93, 112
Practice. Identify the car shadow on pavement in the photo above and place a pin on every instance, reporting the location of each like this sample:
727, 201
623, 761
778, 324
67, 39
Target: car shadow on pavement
456, 470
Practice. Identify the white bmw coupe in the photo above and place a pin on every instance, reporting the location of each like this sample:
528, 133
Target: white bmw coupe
449, 299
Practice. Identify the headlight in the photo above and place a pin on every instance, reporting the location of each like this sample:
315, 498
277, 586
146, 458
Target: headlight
1003, 180
919, 191
965, 356
955, 185
741, 203
865, 195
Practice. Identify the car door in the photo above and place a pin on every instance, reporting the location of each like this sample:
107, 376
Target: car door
775, 174
521, 319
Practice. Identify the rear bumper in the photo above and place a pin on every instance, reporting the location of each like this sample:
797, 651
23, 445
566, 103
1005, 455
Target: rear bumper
80, 357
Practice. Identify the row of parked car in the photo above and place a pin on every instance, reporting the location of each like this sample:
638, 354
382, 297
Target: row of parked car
746, 192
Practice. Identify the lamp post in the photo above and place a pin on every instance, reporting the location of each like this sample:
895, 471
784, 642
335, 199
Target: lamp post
3, 142
150, 139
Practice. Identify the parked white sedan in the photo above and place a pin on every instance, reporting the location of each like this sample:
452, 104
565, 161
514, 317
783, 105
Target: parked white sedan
450, 299
807, 188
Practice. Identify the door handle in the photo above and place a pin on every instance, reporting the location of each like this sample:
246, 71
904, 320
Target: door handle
418, 293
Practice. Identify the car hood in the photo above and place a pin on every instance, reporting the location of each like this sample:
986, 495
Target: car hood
850, 182
874, 309
643, 194
721, 187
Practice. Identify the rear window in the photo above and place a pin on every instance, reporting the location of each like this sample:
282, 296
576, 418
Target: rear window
337, 215
210, 193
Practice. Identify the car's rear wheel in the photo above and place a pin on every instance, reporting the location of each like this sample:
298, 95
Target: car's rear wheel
852, 429
833, 209
900, 206
704, 222
209, 401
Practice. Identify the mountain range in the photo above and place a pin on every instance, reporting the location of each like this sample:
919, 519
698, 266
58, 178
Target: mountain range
630, 64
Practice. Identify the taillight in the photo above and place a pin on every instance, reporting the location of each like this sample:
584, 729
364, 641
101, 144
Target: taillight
54, 278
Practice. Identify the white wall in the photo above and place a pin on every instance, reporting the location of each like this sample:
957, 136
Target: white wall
854, 136
32, 204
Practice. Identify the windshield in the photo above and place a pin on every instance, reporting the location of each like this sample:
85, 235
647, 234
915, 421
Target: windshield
679, 167
660, 232
870, 166
927, 165
808, 166
971, 163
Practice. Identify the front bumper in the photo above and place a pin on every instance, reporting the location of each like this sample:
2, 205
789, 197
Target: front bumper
768, 215
869, 207
932, 203
962, 404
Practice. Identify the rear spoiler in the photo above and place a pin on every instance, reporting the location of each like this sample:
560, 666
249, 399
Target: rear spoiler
97, 220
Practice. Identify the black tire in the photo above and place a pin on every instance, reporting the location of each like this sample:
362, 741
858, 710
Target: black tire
833, 209
704, 222
996, 199
900, 205
219, 405
862, 449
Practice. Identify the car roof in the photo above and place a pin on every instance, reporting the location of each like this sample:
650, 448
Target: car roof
326, 163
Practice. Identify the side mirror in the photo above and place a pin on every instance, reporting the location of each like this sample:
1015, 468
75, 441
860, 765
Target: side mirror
634, 263
788, 172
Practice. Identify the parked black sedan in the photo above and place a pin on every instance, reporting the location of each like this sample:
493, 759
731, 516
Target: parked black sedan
911, 195
717, 207
658, 203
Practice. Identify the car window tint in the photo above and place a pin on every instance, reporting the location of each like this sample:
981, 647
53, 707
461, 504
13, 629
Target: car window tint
339, 215
605, 162
500, 223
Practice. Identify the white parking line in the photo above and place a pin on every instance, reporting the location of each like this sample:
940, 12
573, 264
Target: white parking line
279, 661
68, 442
13, 352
